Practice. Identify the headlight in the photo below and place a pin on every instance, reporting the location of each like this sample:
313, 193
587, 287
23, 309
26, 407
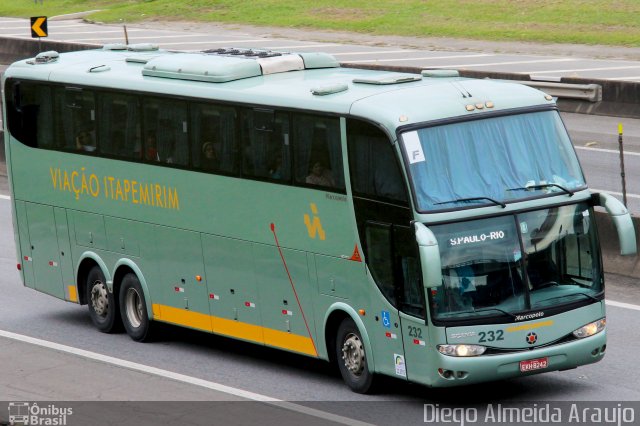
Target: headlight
590, 329
461, 350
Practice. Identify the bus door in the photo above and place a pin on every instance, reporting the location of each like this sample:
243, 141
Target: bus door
411, 302
395, 265
386, 331
45, 255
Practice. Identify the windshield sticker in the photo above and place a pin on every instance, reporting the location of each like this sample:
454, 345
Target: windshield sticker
524, 228
468, 239
413, 148
517, 255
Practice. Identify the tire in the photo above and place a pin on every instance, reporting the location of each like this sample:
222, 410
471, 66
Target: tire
103, 305
134, 309
352, 358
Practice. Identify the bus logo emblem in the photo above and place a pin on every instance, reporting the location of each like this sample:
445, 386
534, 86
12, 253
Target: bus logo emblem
532, 338
314, 226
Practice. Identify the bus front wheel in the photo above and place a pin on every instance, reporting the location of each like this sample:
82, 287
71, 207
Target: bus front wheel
133, 309
352, 358
103, 307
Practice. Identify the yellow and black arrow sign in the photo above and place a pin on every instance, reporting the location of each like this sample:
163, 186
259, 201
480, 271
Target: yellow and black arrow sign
39, 26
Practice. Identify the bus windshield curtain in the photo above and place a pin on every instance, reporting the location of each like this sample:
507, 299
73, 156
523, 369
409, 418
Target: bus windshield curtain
485, 158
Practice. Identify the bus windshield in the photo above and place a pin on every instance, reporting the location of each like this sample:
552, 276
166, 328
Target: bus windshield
490, 161
507, 265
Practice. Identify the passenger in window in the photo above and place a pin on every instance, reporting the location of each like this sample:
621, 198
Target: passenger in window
171, 150
209, 159
85, 142
275, 169
319, 175
151, 146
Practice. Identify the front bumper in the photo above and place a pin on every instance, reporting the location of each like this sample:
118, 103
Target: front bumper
454, 371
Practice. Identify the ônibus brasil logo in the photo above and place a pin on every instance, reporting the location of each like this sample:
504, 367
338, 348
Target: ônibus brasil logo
532, 338
31, 414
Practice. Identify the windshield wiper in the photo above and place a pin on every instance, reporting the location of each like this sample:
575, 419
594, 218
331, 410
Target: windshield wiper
543, 186
503, 205
495, 309
588, 296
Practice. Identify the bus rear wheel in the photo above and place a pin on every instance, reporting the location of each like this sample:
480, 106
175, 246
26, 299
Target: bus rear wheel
103, 307
352, 358
134, 309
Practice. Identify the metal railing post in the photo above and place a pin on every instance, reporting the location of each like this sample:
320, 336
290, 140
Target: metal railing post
622, 175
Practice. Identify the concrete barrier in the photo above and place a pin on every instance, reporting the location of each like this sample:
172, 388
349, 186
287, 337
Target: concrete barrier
15, 49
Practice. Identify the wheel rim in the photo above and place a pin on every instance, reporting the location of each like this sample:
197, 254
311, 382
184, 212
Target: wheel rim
100, 299
133, 303
353, 354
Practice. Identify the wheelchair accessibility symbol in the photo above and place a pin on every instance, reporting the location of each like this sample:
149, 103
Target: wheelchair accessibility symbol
386, 319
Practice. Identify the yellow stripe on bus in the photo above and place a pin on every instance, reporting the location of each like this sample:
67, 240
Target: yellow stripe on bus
237, 329
182, 317
73, 293
530, 326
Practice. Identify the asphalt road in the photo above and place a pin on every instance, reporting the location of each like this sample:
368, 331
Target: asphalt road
290, 377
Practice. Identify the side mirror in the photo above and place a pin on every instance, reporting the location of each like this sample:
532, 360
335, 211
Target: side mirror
429, 256
621, 220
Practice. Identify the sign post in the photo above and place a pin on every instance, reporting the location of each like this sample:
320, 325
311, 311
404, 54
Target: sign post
39, 29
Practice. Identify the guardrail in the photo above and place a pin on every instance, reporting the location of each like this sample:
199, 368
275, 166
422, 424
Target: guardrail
584, 92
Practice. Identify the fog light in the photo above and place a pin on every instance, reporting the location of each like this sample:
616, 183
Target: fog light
461, 350
590, 329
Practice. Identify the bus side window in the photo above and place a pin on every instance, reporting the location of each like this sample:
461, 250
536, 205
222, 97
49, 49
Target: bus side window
119, 125
75, 119
317, 151
213, 138
165, 132
374, 169
265, 145
29, 114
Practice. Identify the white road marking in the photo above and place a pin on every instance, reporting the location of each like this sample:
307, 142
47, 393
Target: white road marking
580, 69
304, 46
381, 52
622, 305
623, 78
4, 197
609, 151
81, 32
228, 42
50, 24
480, 55
182, 378
536, 61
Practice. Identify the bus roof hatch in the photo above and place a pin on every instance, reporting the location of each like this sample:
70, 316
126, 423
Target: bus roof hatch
223, 65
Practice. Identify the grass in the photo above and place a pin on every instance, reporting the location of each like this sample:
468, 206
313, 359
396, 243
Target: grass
609, 22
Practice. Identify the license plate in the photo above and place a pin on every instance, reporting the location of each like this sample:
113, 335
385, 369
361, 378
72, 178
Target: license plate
534, 364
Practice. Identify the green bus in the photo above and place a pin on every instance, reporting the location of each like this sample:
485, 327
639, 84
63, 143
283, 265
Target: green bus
427, 227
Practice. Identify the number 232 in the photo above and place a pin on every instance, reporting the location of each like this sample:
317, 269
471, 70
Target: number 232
491, 336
